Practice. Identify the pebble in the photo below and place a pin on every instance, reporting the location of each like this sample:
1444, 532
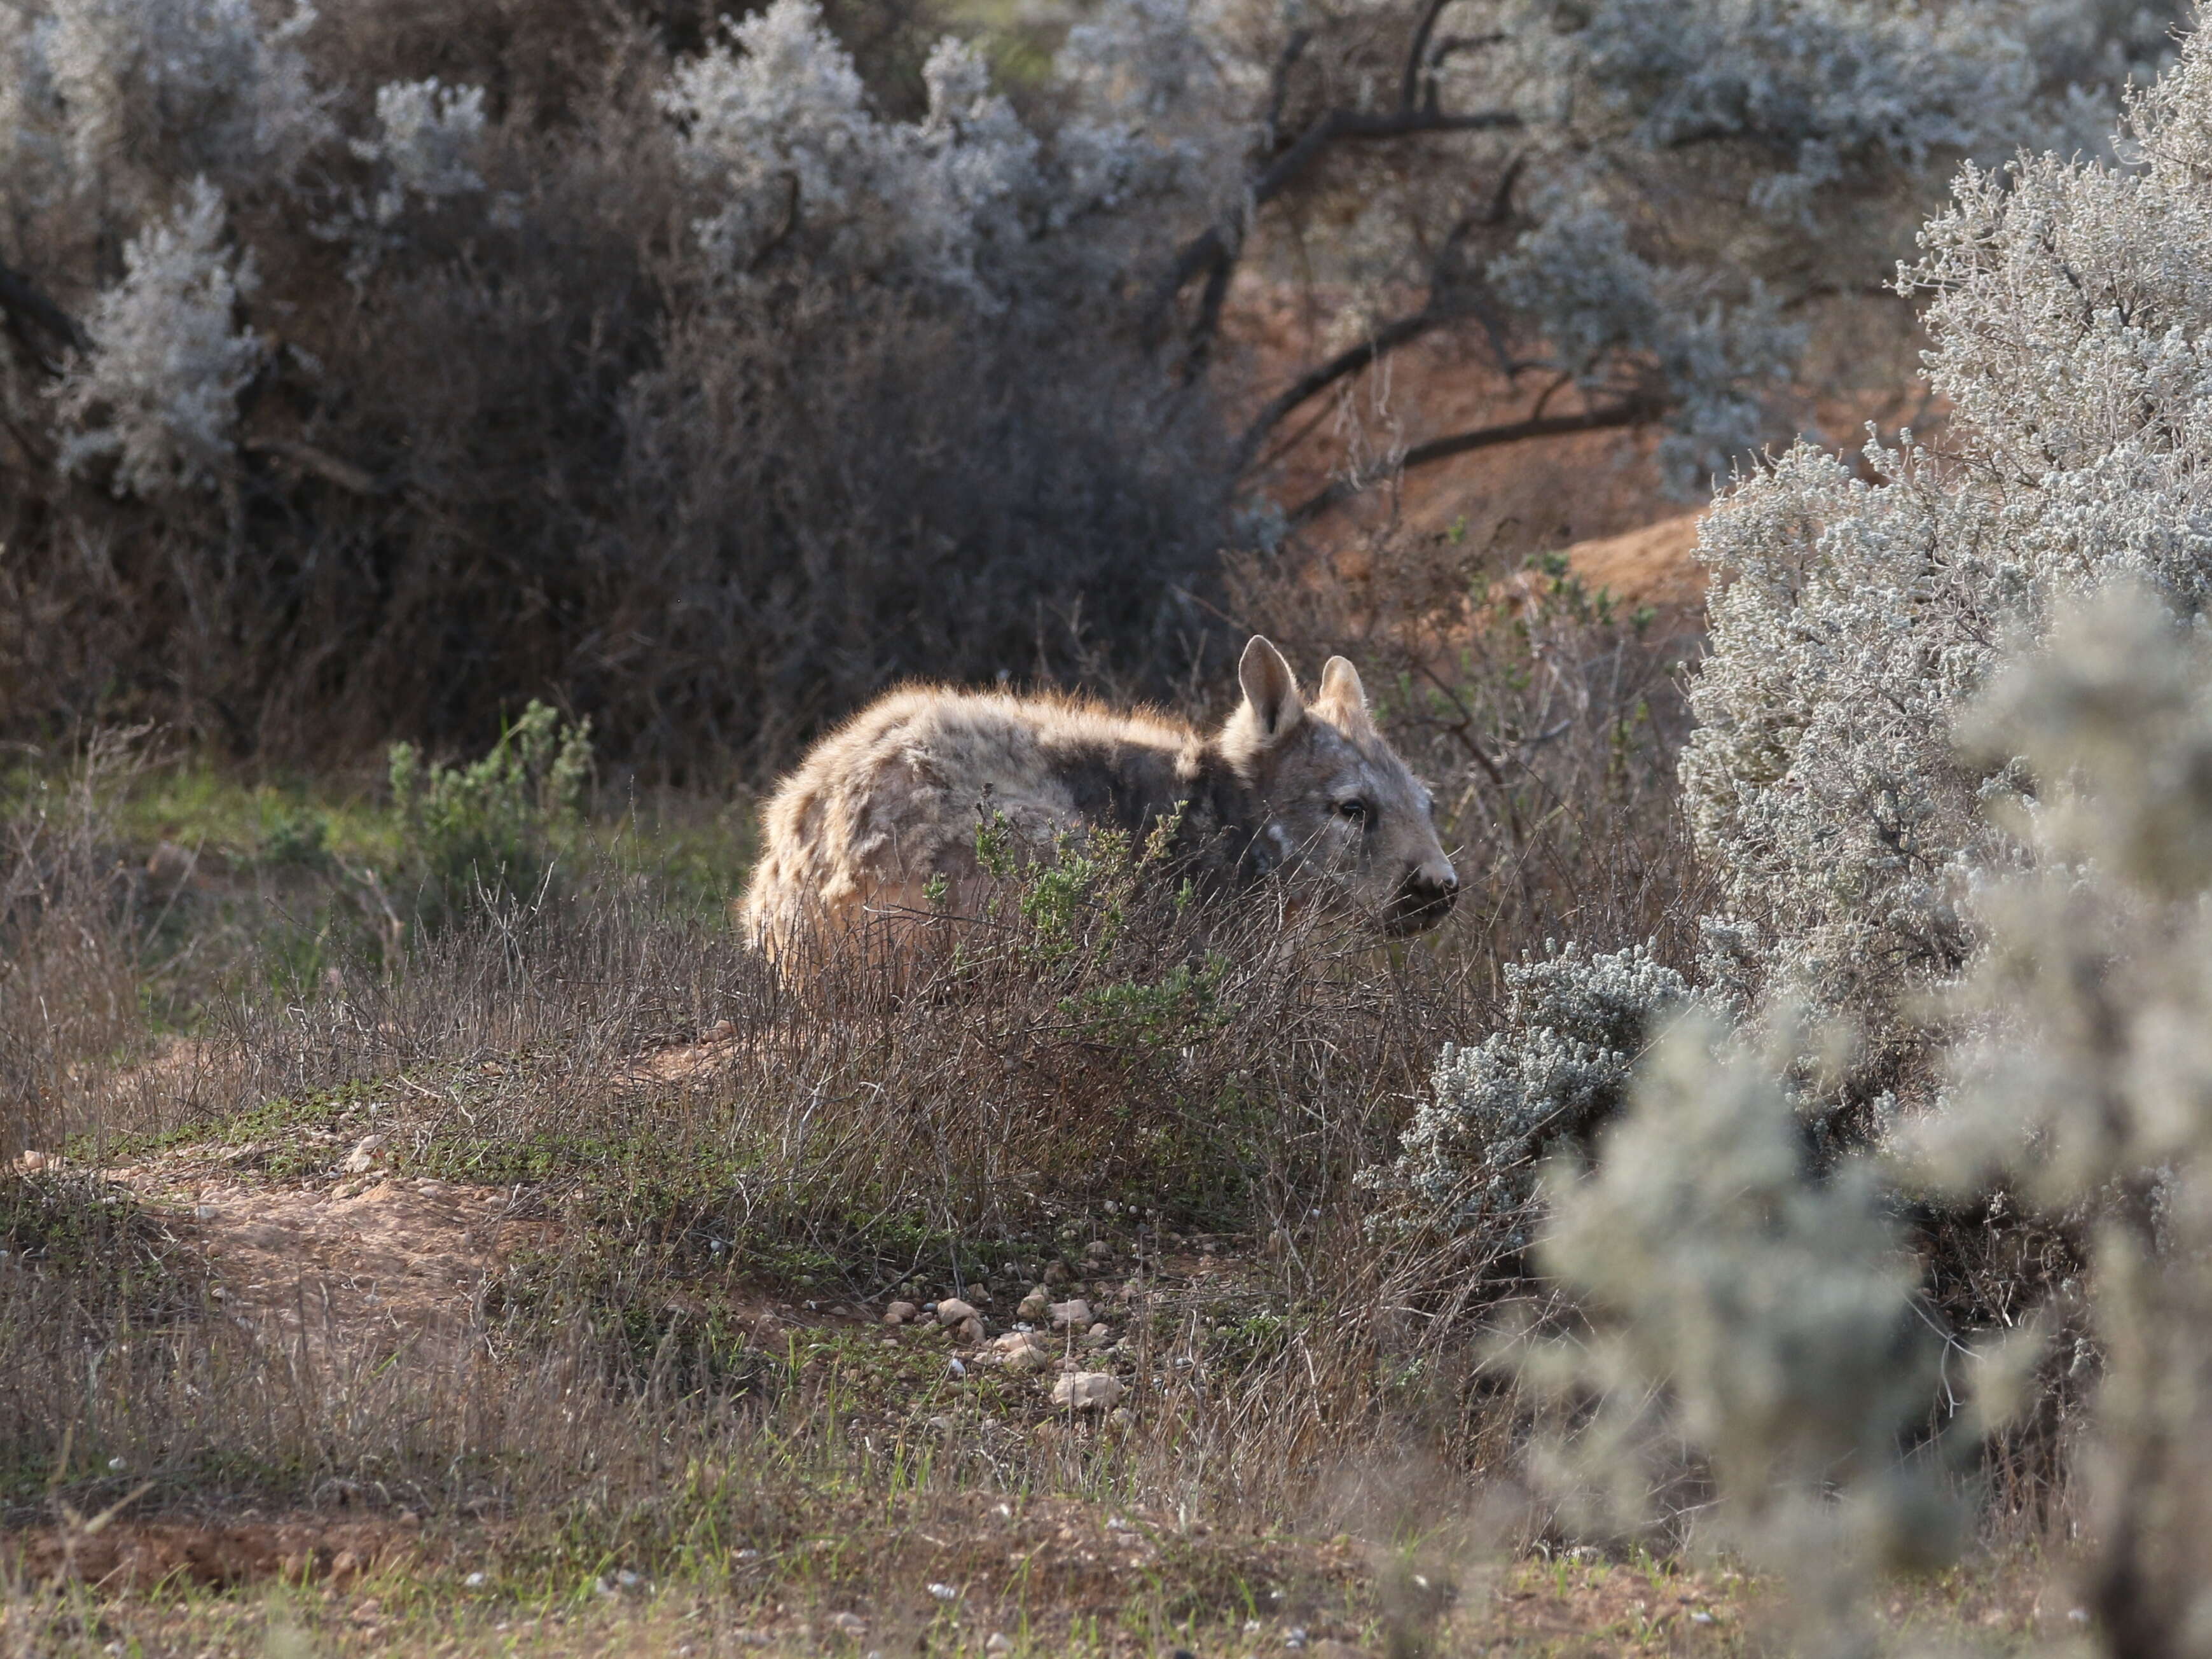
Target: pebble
899, 1313
1022, 1352
1037, 1305
362, 1158
1087, 1391
1071, 1315
952, 1311
944, 1592
849, 1624
999, 1642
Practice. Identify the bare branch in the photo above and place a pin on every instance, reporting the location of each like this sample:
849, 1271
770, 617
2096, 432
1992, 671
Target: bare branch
24, 302
354, 480
1364, 127
1409, 88
1351, 361
1278, 83
1213, 246
1629, 411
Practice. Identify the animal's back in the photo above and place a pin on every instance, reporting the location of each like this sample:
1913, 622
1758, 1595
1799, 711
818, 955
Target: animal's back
892, 800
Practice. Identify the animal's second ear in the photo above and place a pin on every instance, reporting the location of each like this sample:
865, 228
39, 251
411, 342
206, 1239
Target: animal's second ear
1270, 688
1341, 694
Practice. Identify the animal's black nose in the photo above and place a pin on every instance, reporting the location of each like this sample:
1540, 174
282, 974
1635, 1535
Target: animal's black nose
1425, 899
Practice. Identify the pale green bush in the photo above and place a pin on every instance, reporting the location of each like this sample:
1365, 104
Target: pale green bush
496, 827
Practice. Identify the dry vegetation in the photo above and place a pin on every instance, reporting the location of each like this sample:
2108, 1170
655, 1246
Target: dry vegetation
426, 1224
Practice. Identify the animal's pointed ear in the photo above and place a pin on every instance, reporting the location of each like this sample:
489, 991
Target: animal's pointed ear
1271, 690
1343, 697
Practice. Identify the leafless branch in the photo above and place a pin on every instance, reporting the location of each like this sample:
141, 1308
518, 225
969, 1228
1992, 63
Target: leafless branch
25, 302
1206, 251
1351, 361
1629, 411
354, 480
1410, 87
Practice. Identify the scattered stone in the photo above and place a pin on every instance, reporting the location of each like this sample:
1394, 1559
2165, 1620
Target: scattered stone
1087, 1391
899, 1313
1100, 1330
848, 1623
1071, 1315
998, 1641
1037, 1305
362, 1158
944, 1592
952, 1311
971, 1330
33, 1163
1022, 1352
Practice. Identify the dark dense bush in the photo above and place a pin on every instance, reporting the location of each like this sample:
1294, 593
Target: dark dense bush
368, 374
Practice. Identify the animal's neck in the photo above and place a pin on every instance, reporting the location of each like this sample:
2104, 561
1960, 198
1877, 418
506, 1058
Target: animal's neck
1219, 833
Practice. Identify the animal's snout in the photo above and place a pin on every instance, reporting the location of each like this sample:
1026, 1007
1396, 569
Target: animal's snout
1425, 897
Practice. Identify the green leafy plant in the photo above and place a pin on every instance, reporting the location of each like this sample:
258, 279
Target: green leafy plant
494, 827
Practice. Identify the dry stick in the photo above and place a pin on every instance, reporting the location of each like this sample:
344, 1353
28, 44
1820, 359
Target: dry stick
1214, 251
1632, 411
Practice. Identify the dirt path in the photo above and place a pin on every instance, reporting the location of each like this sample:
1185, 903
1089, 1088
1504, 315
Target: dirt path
380, 1260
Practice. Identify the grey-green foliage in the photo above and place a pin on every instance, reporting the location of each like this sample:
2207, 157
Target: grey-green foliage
1574, 1027
2086, 1087
1747, 1318
2072, 321
495, 826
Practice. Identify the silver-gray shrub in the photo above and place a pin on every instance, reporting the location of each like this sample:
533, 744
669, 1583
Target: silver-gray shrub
1859, 606
1745, 1349
1572, 1031
2082, 1082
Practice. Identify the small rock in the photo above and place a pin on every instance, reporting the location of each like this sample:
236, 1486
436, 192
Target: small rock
475, 1581
944, 1592
971, 1330
1037, 1305
998, 1641
848, 1624
1087, 1391
362, 1158
1071, 1315
899, 1313
33, 1162
952, 1311
1022, 1352
1100, 1330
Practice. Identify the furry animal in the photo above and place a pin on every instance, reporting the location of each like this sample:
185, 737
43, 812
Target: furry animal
890, 803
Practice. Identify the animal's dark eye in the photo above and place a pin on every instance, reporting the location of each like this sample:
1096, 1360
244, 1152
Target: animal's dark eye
1355, 809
